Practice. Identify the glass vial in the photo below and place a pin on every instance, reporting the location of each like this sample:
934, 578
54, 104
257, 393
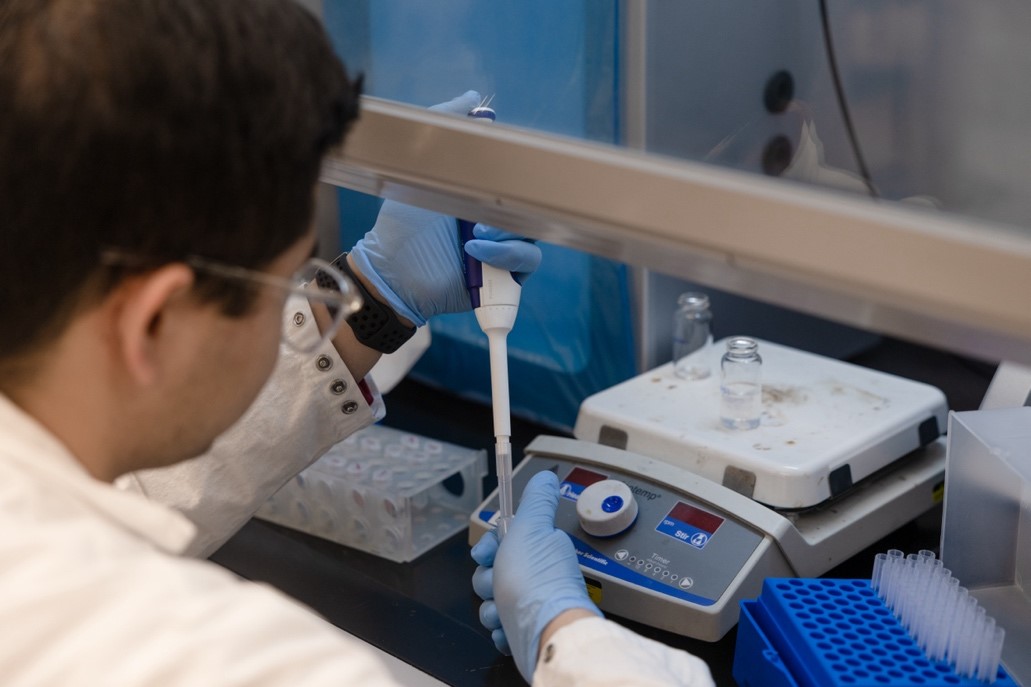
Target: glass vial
741, 384
692, 336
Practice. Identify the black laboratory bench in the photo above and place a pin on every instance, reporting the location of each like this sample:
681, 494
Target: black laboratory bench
425, 612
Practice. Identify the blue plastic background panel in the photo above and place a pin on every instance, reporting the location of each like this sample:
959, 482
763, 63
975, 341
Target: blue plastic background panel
553, 67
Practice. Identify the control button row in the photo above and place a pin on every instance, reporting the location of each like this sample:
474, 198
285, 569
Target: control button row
656, 570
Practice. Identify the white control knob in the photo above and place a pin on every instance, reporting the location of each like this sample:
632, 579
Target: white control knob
606, 508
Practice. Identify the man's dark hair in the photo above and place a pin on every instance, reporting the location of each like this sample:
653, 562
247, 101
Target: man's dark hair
161, 128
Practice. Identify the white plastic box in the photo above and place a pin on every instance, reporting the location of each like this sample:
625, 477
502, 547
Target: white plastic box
986, 530
387, 492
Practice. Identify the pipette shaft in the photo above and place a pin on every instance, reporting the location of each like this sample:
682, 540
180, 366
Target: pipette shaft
497, 339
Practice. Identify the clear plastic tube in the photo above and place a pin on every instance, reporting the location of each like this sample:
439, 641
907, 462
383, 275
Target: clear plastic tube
929, 567
971, 636
944, 619
984, 650
908, 591
938, 589
503, 456
963, 612
878, 571
895, 561
991, 656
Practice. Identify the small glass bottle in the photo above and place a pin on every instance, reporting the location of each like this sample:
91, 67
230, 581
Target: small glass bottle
741, 384
692, 336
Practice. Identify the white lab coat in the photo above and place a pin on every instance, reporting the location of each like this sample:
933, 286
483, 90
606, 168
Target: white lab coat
95, 588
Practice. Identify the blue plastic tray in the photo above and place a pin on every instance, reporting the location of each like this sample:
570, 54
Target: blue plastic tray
825, 633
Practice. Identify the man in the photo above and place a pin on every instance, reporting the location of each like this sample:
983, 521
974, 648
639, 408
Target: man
157, 166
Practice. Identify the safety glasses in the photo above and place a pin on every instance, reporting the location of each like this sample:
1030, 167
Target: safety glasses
316, 280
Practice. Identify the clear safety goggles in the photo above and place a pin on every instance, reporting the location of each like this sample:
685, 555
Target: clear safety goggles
316, 280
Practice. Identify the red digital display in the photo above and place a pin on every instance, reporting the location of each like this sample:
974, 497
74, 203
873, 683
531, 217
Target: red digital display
584, 478
705, 521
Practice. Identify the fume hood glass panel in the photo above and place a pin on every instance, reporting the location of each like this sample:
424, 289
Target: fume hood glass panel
742, 85
916, 101
919, 101
701, 81
938, 93
549, 66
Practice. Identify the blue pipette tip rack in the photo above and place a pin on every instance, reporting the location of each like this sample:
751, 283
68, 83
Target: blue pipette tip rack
828, 633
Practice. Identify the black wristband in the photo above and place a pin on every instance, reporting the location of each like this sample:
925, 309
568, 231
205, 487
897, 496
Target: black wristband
375, 325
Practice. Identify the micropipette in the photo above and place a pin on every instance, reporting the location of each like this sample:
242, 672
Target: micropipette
495, 298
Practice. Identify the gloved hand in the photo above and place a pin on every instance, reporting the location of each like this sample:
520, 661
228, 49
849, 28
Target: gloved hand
529, 579
413, 257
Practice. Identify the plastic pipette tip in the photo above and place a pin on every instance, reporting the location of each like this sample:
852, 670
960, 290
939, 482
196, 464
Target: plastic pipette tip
501, 528
946, 621
503, 454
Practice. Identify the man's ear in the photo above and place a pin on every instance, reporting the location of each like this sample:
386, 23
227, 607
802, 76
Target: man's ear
142, 321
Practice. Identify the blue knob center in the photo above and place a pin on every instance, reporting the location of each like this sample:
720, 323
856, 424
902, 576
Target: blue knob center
612, 504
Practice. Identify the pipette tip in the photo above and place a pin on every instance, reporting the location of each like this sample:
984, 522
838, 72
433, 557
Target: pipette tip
503, 457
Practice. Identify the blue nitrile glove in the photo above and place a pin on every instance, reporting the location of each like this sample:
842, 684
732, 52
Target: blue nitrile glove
529, 579
494, 246
413, 257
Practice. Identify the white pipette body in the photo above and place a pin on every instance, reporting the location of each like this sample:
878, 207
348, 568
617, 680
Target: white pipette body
499, 304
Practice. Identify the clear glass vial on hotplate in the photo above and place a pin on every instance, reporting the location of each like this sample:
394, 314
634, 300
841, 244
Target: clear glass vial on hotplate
741, 384
692, 336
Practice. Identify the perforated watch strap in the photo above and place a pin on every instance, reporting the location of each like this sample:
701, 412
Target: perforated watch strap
375, 325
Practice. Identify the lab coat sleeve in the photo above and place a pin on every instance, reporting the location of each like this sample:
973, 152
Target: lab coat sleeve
600, 653
309, 403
